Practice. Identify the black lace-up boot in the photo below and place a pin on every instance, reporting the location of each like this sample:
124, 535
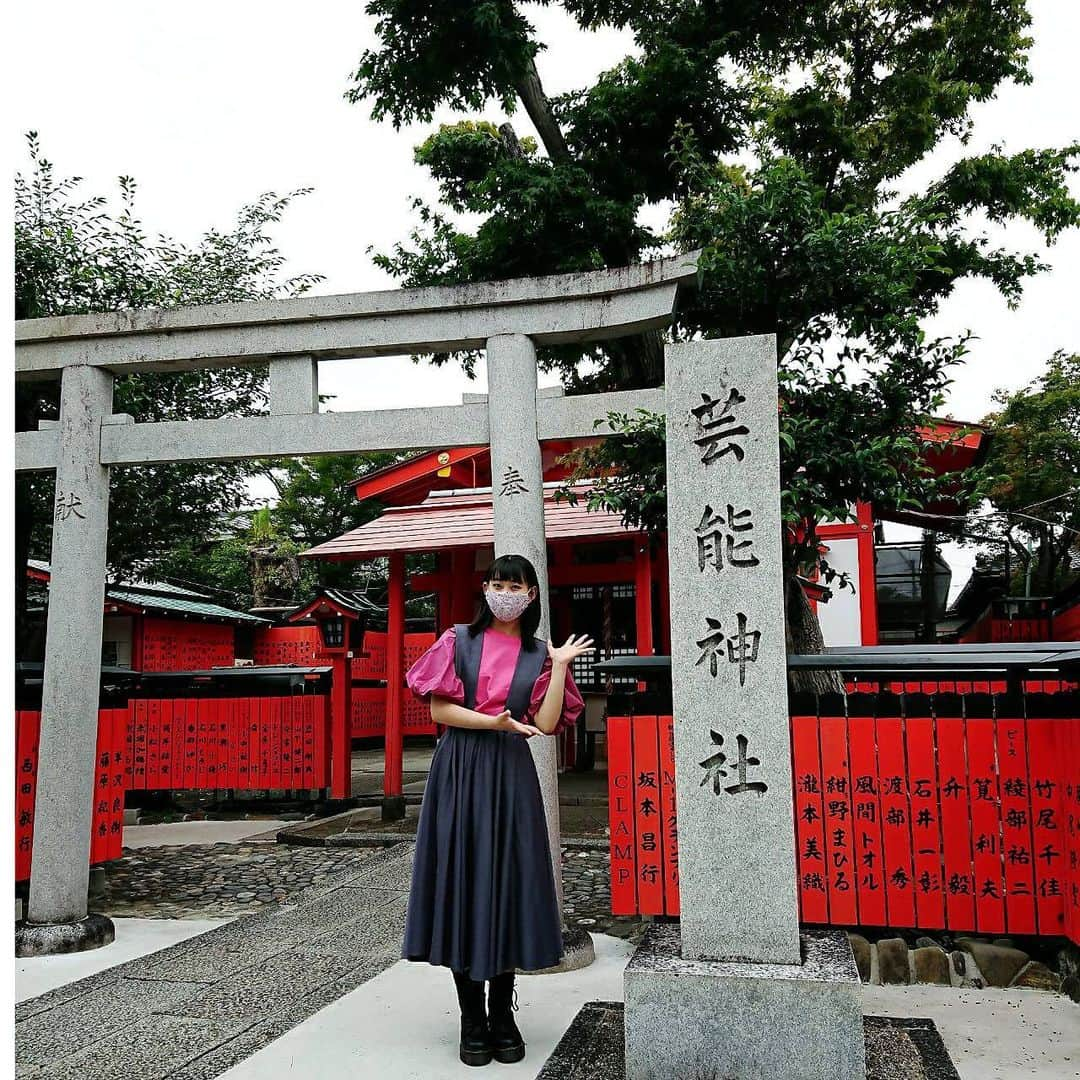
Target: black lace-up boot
475, 1047
507, 1044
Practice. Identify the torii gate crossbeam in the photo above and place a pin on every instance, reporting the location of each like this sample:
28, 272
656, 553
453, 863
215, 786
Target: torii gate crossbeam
508, 319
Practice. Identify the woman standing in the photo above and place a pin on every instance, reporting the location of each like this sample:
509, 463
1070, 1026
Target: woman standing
482, 900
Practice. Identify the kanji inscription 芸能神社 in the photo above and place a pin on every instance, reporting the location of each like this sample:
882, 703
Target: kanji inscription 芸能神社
735, 989
729, 664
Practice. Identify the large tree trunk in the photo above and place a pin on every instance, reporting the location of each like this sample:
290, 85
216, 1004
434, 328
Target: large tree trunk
803, 637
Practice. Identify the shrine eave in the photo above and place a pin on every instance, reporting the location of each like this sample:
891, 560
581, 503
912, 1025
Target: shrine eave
444, 522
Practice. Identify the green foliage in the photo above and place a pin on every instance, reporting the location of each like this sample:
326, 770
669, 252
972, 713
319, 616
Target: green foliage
458, 53
1034, 460
74, 256
777, 131
316, 501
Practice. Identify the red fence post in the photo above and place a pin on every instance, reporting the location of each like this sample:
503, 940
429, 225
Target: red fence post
393, 796
340, 732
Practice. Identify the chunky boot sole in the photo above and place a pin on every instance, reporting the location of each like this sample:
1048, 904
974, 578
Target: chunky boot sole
510, 1055
477, 1057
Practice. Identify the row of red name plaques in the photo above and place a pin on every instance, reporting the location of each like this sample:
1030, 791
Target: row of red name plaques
286, 645
931, 821
929, 687
107, 818
171, 646
239, 743
641, 802
947, 817
369, 713
372, 663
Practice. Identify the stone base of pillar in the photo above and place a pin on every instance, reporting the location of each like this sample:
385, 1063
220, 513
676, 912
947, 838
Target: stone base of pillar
578, 952
46, 939
740, 1020
393, 807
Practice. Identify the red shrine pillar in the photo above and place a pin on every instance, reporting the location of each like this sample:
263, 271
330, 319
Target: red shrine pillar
461, 576
393, 807
643, 599
444, 589
341, 720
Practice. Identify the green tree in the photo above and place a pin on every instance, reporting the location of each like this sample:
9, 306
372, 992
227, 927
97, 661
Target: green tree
779, 133
255, 562
1034, 459
74, 256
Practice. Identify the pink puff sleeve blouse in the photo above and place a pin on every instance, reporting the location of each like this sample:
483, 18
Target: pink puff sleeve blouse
433, 673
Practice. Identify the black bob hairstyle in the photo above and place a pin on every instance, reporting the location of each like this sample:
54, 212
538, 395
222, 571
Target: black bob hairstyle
511, 568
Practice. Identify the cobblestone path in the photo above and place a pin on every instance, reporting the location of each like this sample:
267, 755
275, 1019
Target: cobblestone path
205, 881
202, 881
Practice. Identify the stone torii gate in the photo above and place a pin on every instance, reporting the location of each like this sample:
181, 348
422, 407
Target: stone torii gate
508, 319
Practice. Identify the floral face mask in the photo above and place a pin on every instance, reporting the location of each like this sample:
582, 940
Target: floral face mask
507, 605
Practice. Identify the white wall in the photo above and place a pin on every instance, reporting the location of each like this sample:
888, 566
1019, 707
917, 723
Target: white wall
841, 623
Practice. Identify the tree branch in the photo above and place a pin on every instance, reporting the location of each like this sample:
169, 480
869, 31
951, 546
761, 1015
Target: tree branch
537, 105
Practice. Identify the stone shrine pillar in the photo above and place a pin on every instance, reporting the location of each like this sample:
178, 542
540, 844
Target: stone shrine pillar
733, 990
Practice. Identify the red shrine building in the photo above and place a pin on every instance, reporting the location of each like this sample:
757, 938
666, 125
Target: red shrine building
154, 626
604, 580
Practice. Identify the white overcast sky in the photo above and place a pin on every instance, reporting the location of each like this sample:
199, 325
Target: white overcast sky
207, 105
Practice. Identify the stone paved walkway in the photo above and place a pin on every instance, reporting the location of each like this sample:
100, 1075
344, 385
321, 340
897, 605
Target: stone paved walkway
191, 1011
318, 922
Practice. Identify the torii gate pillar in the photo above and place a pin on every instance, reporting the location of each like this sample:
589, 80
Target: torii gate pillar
517, 498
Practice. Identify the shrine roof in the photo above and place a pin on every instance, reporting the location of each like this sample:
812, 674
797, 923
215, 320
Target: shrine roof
463, 518
178, 605
158, 596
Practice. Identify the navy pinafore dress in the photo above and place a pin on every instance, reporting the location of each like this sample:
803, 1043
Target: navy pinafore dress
482, 898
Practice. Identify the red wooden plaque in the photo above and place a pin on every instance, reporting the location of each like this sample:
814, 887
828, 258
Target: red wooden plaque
621, 816
925, 824
839, 836
866, 817
648, 833
1016, 836
809, 820
955, 822
895, 821
985, 802
669, 821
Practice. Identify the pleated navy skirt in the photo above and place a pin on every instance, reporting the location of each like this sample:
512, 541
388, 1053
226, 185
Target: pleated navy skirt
482, 898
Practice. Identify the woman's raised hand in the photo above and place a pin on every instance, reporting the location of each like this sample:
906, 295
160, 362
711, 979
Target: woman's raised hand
576, 645
505, 722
